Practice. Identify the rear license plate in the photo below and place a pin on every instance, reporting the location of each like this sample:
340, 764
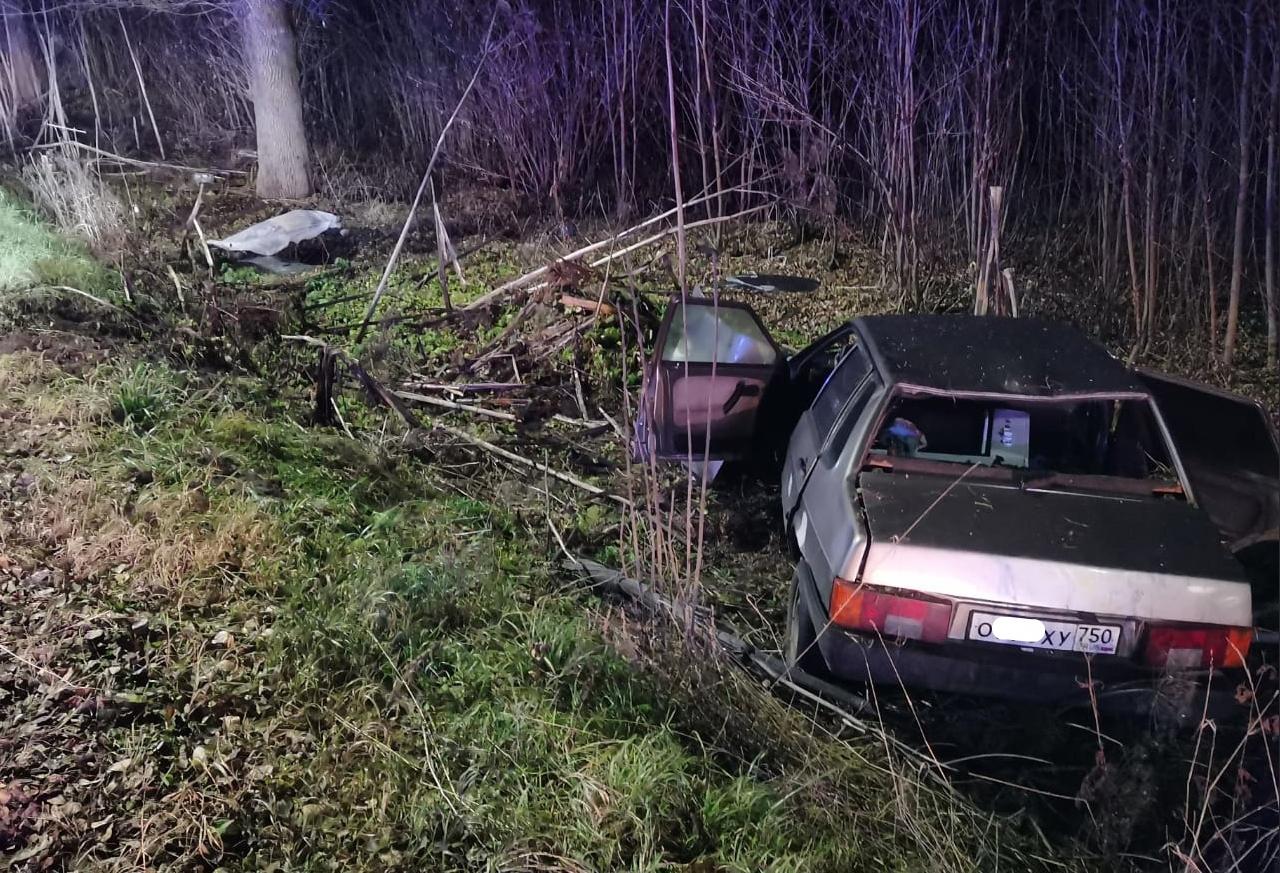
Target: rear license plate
1027, 631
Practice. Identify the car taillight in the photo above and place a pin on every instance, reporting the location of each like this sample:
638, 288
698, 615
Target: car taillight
914, 617
1192, 648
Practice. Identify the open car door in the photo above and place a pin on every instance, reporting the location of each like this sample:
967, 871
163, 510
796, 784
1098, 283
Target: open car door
707, 382
1229, 453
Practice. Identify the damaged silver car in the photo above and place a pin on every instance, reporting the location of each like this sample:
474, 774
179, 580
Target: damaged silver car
986, 505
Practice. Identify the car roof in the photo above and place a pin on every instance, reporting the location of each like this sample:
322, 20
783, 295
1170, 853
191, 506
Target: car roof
989, 354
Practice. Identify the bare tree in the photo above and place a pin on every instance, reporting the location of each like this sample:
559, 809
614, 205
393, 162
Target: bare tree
21, 82
272, 59
681, 257
891, 119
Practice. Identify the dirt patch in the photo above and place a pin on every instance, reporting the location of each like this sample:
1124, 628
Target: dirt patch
73, 353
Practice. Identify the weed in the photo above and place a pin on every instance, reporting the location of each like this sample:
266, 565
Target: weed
233, 275
142, 396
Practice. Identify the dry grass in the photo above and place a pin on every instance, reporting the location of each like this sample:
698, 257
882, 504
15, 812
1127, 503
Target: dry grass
170, 539
76, 199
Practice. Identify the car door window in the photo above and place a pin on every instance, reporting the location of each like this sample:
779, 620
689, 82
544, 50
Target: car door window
840, 385
1228, 452
853, 410
701, 334
1211, 428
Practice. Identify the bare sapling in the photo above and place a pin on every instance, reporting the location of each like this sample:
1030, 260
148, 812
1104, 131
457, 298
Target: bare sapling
142, 84
19, 74
1269, 228
989, 272
1242, 192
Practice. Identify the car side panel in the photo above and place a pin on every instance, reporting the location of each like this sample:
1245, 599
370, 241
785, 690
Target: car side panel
830, 530
802, 449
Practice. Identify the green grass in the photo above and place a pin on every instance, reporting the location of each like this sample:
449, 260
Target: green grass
402, 680
414, 286
345, 665
413, 292
33, 254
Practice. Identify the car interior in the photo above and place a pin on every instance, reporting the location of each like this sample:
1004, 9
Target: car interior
1109, 438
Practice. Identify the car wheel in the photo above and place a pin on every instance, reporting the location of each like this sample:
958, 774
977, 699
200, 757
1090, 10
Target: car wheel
800, 648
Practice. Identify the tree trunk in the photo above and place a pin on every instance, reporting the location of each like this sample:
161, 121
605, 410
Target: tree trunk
272, 58
21, 82
1242, 193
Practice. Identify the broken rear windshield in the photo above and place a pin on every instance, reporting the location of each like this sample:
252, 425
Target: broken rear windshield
1082, 442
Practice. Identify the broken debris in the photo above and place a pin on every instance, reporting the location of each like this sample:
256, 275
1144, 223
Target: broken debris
274, 235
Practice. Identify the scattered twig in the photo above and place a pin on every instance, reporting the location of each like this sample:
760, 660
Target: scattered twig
341, 421
809, 687
596, 306
195, 207
379, 392
567, 478
135, 162
375, 388
44, 671
193, 222
177, 286
535, 275
395, 400
449, 404
464, 388
580, 422
577, 393
67, 288
204, 244
142, 84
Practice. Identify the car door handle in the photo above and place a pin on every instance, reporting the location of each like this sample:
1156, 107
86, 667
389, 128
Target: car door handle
741, 390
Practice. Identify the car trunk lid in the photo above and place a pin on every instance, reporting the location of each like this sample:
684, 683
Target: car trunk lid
1145, 558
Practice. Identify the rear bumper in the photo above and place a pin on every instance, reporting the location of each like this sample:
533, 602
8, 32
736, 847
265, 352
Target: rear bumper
990, 671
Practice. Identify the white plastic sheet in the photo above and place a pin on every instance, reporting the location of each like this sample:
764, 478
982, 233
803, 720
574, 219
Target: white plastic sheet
274, 235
